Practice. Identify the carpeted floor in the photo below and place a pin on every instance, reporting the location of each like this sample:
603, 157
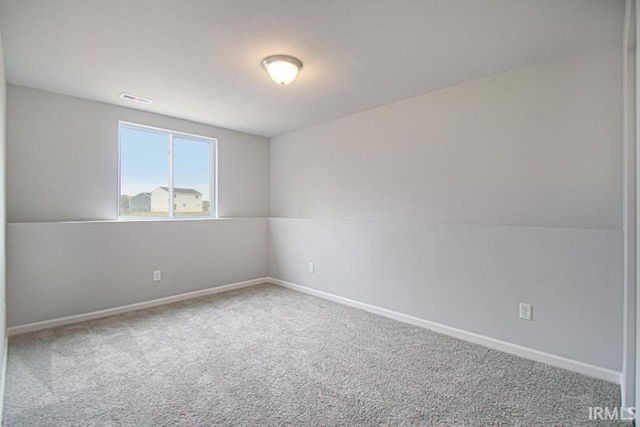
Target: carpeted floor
267, 355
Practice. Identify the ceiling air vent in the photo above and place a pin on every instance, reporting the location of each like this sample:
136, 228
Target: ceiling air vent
130, 97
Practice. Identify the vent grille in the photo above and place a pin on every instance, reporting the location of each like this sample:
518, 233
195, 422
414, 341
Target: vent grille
135, 98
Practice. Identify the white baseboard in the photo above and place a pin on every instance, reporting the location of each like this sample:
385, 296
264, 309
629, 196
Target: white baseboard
3, 375
528, 353
47, 324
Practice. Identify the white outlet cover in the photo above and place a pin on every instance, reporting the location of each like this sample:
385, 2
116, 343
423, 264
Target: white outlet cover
526, 311
157, 275
311, 267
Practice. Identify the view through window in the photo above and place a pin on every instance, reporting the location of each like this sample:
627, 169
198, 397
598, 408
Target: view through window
165, 173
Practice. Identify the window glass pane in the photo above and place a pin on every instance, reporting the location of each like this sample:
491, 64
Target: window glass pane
191, 177
144, 173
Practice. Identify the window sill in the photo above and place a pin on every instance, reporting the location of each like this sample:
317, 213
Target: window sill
163, 218
134, 220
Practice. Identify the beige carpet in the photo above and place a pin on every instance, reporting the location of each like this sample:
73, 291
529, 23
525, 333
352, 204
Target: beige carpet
266, 356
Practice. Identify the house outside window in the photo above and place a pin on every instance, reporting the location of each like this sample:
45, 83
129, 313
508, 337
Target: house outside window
158, 165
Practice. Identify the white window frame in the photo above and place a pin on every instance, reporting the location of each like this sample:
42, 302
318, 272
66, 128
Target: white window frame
172, 134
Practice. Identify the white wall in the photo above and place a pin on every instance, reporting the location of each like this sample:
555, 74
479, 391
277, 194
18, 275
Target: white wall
456, 205
63, 166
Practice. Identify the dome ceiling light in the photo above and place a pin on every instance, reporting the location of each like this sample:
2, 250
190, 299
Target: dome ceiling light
282, 69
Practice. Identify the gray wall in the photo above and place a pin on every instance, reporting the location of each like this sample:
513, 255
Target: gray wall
456, 205
62, 269
62, 159
3, 100
636, 306
63, 167
629, 208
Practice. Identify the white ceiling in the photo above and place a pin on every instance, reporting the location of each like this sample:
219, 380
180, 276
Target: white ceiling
201, 59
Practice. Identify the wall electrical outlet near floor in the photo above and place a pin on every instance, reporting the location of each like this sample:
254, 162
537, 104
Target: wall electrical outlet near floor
526, 311
311, 267
157, 275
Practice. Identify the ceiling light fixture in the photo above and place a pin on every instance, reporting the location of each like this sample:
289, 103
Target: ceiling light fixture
282, 69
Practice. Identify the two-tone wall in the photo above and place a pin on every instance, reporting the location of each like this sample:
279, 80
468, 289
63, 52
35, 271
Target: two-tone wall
456, 206
68, 253
451, 207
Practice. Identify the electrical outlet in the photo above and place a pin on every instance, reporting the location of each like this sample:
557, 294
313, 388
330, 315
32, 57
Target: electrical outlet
157, 275
311, 267
526, 311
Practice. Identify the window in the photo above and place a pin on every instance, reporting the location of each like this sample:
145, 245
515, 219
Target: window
158, 165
